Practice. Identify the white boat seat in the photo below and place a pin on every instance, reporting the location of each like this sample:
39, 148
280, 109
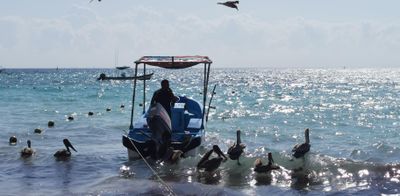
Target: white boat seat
194, 123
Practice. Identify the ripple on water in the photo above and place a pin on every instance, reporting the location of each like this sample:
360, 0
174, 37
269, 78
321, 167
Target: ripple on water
353, 116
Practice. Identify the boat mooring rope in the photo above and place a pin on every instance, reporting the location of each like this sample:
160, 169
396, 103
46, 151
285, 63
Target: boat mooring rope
154, 172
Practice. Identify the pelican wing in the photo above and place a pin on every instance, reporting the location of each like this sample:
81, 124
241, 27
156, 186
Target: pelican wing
212, 164
300, 149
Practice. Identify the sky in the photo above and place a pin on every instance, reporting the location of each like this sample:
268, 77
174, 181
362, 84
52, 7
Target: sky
263, 33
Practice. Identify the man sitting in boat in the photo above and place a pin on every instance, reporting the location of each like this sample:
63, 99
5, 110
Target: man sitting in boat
164, 96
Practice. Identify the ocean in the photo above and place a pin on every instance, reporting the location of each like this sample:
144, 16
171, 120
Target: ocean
353, 116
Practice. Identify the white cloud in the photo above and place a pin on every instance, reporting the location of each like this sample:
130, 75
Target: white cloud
83, 38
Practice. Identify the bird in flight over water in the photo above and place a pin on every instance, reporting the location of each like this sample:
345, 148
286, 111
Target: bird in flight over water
92, 0
231, 4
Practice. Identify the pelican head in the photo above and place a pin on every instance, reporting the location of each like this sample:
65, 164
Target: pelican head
270, 159
218, 151
68, 145
307, 136
238, 140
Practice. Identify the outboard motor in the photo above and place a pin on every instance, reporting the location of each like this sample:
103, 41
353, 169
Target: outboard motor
159, 123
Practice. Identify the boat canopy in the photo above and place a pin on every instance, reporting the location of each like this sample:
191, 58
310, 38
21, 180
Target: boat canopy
173, 62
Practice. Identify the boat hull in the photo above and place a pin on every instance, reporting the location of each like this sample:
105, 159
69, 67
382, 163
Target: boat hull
155, 130
189, 148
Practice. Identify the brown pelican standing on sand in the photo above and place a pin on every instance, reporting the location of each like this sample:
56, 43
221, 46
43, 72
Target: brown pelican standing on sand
260, 168
301, 149
27, 151
210, 165
64, 153
236, 150
231, 4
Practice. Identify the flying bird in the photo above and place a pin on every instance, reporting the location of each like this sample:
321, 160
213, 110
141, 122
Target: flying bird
92, 0
231, 4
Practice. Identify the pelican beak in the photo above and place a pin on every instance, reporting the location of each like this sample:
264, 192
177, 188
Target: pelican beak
270, 159
218, 151
68, 144
29, 143
238, 140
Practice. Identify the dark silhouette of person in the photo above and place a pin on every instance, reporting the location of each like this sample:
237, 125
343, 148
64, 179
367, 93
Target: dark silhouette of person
164, 96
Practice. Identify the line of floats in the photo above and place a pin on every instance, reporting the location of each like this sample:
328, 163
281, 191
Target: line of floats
60, 154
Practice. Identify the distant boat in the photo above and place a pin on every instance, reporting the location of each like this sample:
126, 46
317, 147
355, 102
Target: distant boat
123, 67
116, 62
143, 77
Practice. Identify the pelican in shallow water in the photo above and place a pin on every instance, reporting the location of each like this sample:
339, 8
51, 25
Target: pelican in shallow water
210, 165
27, 151
64, 153
231, 4
260, 168
236, 149
301, 149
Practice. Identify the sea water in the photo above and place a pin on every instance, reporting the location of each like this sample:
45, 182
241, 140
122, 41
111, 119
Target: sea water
353, 116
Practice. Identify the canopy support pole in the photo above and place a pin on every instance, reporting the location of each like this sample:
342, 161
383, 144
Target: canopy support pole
133, 97
144, 89
206, 75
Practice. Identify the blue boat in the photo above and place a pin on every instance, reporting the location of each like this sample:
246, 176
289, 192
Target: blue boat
155, 131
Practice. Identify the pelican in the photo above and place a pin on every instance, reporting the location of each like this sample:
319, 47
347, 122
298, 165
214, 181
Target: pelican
260, 168
231, 4
13, 141
64, 153
27, 151
236, 149
210, 165
301, 149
